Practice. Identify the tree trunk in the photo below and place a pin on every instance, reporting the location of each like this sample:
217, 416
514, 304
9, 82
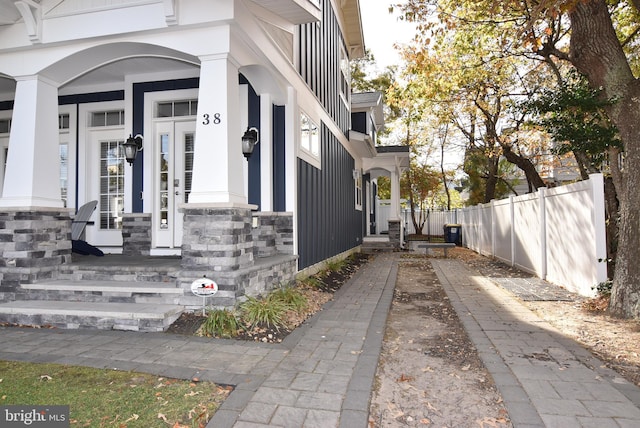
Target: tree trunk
492, 178
525, 165
596, 52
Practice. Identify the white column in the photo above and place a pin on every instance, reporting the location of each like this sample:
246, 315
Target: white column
395, 195
217, 164
266, 152
292, 123
32, 176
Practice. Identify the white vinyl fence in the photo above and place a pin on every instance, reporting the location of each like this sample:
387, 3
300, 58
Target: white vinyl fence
557, 234
434, 224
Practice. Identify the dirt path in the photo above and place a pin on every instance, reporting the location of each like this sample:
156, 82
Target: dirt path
429, 372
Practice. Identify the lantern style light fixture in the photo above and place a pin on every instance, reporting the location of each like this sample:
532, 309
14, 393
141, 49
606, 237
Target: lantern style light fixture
249, 141
131, 147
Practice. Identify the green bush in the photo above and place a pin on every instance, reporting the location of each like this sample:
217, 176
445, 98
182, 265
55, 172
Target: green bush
334, 265
221, 323
312, 282
290, 296
266, 311
604, 288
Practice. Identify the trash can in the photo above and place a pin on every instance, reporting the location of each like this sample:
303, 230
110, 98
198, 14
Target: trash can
453, 233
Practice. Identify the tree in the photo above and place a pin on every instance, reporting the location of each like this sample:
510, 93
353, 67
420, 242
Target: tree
470, 84
603, 38
420, 183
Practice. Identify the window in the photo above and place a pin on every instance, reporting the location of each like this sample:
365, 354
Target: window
111, 184
107, 118
357, 180
345, 75
64, 172
177, 108
63, 121
309, 136
5, 126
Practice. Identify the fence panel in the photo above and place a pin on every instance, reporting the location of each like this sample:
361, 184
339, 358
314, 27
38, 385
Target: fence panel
572, 236
502, 229
556, 234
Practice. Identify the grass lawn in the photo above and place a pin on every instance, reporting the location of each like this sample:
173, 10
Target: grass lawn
111, 398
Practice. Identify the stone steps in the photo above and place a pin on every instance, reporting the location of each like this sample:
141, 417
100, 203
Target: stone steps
91, 315
102, 291
110, 292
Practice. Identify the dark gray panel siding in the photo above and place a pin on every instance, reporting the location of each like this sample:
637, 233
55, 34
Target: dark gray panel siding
319, 63
328, 223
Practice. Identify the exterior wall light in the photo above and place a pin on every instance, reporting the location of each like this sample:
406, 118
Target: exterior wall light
131, 147
249, 141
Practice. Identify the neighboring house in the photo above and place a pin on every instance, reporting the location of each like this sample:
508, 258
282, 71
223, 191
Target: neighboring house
78, 78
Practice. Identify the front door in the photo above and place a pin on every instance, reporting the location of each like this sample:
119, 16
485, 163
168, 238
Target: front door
105, 172
172, 171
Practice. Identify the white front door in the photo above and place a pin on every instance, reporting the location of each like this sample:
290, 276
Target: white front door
105, 172
172, 171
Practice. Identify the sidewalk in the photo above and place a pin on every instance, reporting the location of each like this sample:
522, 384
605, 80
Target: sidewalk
546, 379
323, 373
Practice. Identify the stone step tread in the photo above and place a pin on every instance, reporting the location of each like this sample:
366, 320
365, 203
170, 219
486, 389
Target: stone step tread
105, 286
100, 310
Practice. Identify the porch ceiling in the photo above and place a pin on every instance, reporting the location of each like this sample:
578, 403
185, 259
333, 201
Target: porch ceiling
9, 13
295, 11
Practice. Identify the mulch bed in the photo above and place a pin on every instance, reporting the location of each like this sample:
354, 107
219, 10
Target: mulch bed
327, 282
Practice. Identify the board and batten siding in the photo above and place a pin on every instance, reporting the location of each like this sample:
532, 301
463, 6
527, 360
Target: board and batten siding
318, 63
328, 223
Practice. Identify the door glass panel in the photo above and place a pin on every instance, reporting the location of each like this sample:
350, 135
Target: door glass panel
188, 164
111, 203
164, 181
64, 171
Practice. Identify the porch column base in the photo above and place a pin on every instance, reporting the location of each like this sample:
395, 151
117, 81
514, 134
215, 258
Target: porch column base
218, 242
394, 233
33, 245
136, 234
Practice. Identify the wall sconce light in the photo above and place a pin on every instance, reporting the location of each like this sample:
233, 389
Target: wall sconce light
131, 147
249, 141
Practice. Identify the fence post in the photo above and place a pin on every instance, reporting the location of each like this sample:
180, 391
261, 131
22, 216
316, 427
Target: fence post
492, 206
512, 219
599, 224
542, 194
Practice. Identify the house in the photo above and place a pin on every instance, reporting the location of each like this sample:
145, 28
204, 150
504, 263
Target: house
188, 88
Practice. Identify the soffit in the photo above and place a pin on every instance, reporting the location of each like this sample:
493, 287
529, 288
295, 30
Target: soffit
9, 13
294, 11
353, 28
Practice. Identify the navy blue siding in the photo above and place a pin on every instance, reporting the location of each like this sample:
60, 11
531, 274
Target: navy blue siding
359, 122
279, 173
328, 222
254, 195
319, 63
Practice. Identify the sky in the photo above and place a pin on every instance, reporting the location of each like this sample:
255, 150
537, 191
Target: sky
382, 30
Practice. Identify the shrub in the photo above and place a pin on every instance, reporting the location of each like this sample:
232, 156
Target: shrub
604, 288
221, 323
312, 282
334, 265
267, 311
291, 297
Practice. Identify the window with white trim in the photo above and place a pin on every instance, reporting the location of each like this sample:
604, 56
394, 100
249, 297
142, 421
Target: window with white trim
357, 181
309, 136
345, 76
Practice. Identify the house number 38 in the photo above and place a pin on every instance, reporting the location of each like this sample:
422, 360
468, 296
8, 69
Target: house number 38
208, 120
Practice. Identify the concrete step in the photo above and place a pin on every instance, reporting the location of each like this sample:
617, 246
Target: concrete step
92, 315
102, 291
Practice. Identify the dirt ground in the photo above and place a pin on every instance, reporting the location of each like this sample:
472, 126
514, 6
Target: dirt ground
429, 372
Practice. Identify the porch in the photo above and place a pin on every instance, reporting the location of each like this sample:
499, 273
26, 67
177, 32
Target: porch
47, 285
